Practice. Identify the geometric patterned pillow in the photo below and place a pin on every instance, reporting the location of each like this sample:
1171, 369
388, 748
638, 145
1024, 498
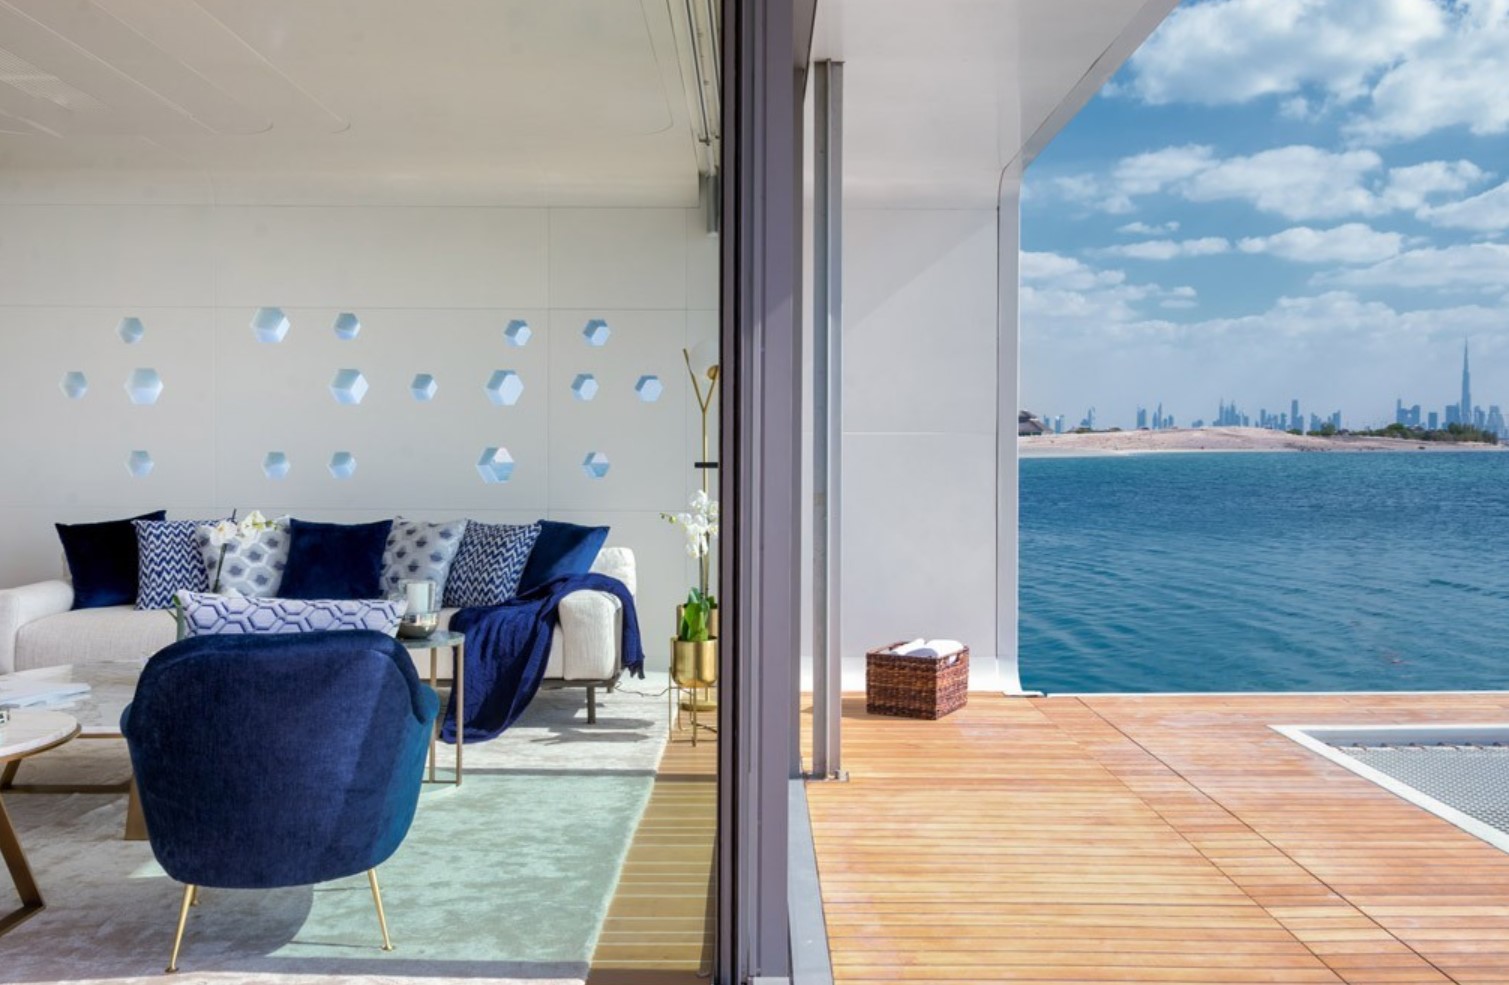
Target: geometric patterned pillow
252, 567
221, 615
489, 564
420, 552
171, 561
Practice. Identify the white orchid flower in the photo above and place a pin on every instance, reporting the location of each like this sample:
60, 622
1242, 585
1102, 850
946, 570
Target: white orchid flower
224, 533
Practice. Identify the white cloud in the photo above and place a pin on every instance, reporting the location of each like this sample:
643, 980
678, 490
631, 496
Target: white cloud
1412, 187
1484, 213
1144, 229
1057, 290
1300, 182
1454, 80
1234, 51
1168, 249
1482, 267
1400, 68
1351, 243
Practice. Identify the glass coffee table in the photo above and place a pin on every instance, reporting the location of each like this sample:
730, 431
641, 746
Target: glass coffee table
98, 712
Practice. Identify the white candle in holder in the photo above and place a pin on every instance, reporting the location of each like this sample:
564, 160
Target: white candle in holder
421, 596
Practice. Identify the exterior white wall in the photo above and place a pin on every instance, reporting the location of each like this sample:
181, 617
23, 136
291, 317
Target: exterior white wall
433, 287
919, 455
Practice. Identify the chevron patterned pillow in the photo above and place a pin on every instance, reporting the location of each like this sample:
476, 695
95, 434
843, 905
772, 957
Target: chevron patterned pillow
171, 560
488, 566
223, 615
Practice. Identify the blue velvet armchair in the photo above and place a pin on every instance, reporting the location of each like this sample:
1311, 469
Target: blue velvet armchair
265, 761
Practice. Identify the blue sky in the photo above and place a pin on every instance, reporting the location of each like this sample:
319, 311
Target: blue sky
1278, 199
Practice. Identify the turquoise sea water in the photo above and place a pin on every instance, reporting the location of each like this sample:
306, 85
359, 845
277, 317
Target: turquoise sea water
1282, 572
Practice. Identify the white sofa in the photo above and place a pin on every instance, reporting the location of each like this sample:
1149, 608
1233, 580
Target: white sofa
38, 628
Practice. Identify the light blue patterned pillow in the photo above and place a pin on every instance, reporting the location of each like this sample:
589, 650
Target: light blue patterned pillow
172, 560
222, 615
419, 551
253, 567
489, 564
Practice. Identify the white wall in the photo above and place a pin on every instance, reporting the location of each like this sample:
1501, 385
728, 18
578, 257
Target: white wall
919, 456
434, 288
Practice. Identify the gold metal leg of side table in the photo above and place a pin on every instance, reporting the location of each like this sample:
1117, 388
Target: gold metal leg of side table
20, 874
434, 686
458, 681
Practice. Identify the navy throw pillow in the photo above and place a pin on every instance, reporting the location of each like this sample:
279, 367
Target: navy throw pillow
334, 560
102, 560
561, 549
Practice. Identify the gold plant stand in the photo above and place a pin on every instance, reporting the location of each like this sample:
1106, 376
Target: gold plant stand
694, 677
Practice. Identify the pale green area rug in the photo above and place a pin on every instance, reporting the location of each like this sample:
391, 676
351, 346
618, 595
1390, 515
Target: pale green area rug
504, 879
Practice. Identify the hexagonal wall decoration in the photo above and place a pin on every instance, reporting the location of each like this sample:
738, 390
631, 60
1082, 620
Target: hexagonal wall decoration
347, 326
505, 387
131, 330
276, 465
74, 385
343, 465
270, 324
518, 333
649, 388
349, 386
596, 332
596, 465
584, 387
495, 465
424, 387
139, 464
144, 386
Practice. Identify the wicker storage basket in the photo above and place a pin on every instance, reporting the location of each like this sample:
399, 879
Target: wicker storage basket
915, 687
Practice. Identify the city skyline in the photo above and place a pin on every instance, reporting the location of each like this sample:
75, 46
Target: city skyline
1231, 413
1277, 200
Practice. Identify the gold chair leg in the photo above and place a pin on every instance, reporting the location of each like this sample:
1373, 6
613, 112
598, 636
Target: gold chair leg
189, 892
196, 897
382, 918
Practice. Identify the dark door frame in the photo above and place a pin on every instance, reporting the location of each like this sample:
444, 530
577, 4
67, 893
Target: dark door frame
766, 44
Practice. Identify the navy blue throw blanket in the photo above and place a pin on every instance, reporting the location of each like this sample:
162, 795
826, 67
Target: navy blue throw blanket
508, 645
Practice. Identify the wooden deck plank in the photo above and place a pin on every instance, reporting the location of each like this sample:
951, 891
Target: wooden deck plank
659, 929
1148, 839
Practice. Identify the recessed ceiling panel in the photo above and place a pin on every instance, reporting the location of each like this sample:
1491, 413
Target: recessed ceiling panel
515, 68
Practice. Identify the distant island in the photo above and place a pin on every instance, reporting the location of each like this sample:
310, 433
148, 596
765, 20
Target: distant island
1395, 438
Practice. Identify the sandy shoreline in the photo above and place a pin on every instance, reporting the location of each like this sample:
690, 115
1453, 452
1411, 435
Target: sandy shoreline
1185, 440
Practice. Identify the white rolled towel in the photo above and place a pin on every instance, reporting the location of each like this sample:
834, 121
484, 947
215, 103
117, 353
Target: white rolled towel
930, 648
904, 649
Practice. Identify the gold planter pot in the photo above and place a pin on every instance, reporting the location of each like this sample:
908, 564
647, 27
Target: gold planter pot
694, 665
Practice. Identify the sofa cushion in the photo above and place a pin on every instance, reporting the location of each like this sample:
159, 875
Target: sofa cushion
172, 560
418, 551
229, 615
119, 632
252, 567
562, 549
335, 560
489, 564
103, 560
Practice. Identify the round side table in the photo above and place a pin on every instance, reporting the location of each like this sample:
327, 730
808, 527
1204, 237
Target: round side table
26, 734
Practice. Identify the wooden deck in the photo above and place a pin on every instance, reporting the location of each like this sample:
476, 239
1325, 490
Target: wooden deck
1148, 839
659, 926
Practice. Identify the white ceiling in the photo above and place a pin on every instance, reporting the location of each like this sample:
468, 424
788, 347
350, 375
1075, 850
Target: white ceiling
943, 96
481, 100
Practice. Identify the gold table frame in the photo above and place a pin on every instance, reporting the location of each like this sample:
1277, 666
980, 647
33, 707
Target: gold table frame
456, 643
14, 857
